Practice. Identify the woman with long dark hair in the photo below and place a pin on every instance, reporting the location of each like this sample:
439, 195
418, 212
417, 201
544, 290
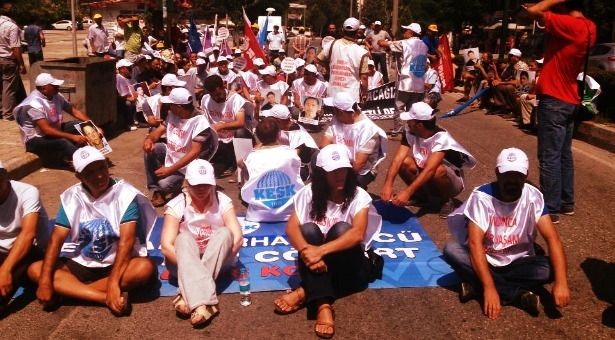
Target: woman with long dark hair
329, 228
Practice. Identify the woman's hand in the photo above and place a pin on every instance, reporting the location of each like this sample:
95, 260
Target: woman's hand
311, 255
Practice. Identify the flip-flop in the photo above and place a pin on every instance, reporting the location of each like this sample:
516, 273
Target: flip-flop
292, 307
181, 307
328, 324
203, 314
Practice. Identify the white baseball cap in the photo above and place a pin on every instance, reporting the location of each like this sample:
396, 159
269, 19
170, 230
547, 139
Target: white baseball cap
47, 79
258, 62
279, 111
85, 156
185, 30
268, 71
281, 50
212, 58
237, 51
200, 62
418, 111
342, 101
540, 61
351, 24
222, 59
414, 27
311, 68
215, 48
515, 52
123, 63
377, 22
177, 96
200, 171
370, 62
333, 157
362, 27
299, 62
170, 79
512, 159
201, 55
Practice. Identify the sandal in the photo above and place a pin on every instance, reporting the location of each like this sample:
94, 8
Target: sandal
203, 314
290, 302
181, 307
324, 323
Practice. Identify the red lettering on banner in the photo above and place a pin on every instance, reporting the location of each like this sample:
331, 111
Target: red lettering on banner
290, 270
270, 271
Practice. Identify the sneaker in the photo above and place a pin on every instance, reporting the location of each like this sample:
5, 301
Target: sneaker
528, 301
568, 211
132, 128
157, 199
447, 207
554, 218
466, 292
226, 173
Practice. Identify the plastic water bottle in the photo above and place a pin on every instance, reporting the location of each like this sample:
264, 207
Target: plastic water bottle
244, 287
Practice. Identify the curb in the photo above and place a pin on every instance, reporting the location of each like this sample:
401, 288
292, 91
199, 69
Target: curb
19, 168
598, 135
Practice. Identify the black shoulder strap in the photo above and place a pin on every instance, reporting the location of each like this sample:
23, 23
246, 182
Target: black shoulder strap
582, 85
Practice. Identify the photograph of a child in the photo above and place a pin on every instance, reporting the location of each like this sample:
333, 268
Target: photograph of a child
312, 110
90, 131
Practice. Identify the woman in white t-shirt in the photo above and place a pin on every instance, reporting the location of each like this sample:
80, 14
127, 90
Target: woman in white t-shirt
200, 236
329, 228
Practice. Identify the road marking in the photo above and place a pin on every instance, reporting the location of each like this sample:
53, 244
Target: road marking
595, 158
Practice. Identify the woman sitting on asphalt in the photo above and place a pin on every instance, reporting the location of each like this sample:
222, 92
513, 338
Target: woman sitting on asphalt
329, 228
200, 236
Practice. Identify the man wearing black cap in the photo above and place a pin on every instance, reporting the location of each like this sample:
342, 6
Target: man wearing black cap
347, 63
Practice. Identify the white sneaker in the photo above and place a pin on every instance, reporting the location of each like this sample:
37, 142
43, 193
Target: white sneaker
133, 128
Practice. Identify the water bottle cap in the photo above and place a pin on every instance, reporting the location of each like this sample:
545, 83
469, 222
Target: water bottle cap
242, 270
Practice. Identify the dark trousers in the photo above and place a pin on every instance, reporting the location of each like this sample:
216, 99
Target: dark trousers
380, 63
347, 270
224, 158
19, 272
34, 57
43, 146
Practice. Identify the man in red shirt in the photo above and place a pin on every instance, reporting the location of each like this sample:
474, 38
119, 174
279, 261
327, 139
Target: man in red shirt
569, 35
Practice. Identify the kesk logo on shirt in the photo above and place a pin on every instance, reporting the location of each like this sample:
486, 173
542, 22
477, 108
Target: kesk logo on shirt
274, 189
417, 65
97, 238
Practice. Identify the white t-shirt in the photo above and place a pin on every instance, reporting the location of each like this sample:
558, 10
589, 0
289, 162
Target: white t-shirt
119, 43
123, 85
413, 60
363, 136
274, 178
318, 90
303, 205
36, 106
510, 227
201, 225
348, 61
440, 141
275, 41
250, 79
223, 112
372, 81
22, 200
180, 134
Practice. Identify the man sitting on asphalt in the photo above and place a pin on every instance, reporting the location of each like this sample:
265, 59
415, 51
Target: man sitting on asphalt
271, 176
107, 222
434, 169
366, 141
40, 120
495, 253
188, 136
23, 233
293, 135
227, 113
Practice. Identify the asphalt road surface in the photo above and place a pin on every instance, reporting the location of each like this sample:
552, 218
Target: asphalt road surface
410, 313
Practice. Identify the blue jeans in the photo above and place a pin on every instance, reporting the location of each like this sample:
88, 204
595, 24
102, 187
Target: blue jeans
525, 273
42, 146
555, 127
347, 270
153, 161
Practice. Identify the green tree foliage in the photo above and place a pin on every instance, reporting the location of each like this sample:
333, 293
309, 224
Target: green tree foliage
47, 11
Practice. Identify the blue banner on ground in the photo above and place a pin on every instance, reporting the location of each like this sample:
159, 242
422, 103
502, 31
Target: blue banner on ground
411, 259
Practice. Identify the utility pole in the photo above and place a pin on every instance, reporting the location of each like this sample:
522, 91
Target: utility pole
394, 24
504, 29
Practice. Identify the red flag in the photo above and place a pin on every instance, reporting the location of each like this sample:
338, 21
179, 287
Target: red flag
444, 66
253, 50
